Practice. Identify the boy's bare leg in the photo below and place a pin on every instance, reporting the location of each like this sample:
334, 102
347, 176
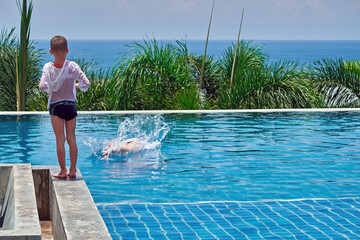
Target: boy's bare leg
124, 148
132, 145
58, 128
71, 139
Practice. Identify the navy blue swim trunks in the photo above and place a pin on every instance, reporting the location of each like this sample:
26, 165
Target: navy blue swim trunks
64, 110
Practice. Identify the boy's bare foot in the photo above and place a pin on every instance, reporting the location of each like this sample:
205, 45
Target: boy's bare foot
72, 173
61, 174
106, 152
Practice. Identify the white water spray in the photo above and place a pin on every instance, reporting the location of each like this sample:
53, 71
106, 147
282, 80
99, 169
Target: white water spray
150, 130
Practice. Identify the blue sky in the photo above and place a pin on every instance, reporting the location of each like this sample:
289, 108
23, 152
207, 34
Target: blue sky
180, 19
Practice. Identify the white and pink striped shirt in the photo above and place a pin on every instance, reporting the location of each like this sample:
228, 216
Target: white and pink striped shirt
60, 82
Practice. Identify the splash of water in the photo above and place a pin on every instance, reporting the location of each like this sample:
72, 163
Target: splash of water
149, 129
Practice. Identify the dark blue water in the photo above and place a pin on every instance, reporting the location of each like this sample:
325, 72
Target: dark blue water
106, 52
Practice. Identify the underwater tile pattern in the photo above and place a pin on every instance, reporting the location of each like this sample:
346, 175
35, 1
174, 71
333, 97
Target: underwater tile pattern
274, 219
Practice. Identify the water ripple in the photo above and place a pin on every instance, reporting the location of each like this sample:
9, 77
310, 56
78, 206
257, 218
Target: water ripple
207, 157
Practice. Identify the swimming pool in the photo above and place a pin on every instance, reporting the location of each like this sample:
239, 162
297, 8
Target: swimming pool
215, 176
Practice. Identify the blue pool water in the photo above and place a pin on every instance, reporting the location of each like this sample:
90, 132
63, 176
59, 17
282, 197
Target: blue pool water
212, 176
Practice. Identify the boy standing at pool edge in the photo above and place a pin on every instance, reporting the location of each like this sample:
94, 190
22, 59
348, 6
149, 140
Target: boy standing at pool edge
59, 79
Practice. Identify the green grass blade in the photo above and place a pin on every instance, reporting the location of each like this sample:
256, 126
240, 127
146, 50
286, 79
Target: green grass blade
206, 44
236, 50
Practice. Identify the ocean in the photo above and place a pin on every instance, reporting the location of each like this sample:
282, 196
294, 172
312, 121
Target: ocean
107, 52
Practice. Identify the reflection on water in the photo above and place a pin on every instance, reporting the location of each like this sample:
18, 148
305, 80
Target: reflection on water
134, 164
19, 136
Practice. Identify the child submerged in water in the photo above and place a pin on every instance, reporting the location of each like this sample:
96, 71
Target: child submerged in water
130, 145
59, 80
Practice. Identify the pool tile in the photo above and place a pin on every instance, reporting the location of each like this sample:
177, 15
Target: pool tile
300, 219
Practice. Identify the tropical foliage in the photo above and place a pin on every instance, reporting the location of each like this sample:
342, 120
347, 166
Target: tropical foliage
9, 47
279, 85
158, 76
22, 56
163, 75
338, 81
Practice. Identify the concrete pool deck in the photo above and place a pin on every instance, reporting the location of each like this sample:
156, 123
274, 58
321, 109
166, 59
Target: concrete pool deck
19, 210
64, 208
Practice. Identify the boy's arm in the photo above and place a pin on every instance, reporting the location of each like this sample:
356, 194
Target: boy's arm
44, 83
84, 82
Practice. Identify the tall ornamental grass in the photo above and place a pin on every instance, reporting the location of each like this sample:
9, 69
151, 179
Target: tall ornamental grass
161, 75
9, 49
158, 76
338, 81
22, 58
211, 78
258, 84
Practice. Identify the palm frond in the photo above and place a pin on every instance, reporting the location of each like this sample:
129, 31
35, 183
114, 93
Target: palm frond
8, 51
102, 91
249, 55
338, 81
211, 75
22, 57
9, 46
186, 99
279, 85
154, 75
337, 96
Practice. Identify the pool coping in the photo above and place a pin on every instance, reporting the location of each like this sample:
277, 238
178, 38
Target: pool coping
70, 206
192, 111
25, 223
